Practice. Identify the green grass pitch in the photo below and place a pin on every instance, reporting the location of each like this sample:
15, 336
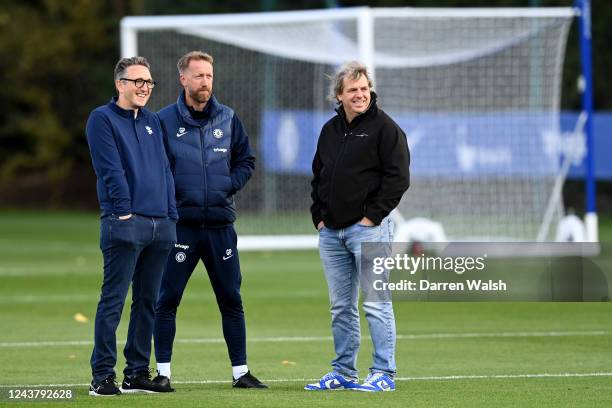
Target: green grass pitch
448, 354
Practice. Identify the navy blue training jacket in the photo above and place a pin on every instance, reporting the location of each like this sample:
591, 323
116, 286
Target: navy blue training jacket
129, 159
210, 160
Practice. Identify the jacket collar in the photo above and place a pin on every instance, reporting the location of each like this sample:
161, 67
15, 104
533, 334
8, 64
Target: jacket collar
186, 114
371, 109
128, 113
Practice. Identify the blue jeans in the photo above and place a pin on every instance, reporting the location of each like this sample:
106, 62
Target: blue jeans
135, 251
340, 251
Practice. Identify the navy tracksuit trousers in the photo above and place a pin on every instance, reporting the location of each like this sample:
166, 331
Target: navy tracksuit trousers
216, 247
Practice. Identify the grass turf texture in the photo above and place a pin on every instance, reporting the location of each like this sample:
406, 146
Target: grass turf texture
50, 269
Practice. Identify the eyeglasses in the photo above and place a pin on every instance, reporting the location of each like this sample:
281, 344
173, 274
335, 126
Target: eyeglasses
139, 83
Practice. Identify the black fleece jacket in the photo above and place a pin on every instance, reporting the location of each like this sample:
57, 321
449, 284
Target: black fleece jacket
360, 169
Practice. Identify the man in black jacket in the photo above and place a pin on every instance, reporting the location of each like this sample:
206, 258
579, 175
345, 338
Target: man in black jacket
360, 174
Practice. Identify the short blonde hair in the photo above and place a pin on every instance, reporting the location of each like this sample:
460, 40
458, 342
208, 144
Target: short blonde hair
184, 61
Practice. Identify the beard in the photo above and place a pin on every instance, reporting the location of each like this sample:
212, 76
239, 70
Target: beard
200, 95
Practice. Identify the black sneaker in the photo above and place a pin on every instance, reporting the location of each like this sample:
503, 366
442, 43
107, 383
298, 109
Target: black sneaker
163, 382
105, 388
141, 382
248, 381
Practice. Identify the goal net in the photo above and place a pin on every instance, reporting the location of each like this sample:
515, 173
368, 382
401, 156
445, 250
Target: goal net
477, 92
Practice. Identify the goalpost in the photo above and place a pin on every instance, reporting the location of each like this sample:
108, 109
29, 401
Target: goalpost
476, 90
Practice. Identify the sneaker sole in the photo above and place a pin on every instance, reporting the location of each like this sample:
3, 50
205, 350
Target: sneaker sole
136, 391
371, 390
95, 394
329, 389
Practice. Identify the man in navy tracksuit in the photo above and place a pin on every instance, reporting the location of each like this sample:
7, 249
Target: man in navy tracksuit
211, 160
138, 225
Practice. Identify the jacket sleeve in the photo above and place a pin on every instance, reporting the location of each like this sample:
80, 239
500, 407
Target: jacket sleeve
395, 174
315, 208
243, 161
107, 162
169, 155
172, 212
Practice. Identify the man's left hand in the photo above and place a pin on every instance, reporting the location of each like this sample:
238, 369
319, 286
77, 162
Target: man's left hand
367, 222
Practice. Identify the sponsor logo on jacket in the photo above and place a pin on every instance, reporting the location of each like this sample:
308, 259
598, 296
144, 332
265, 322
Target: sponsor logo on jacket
181, 132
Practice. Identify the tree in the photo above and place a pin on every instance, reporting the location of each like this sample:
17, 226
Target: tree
57, 59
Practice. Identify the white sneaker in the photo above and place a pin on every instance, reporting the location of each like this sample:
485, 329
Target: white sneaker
332, 381
376, 382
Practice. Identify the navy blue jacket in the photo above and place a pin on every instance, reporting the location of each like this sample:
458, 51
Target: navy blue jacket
129, 159
210, 160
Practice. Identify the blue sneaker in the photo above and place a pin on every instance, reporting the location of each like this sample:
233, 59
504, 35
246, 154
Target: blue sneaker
332, 381
376, 382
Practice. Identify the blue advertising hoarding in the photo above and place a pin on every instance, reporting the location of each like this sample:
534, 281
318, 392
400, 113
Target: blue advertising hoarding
452, 144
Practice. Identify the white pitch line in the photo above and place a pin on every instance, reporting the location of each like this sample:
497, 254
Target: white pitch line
48, 343
306, 339
46, 299
502, 334
290, 380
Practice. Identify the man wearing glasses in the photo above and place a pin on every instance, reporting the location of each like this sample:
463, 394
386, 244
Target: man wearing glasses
137, 228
